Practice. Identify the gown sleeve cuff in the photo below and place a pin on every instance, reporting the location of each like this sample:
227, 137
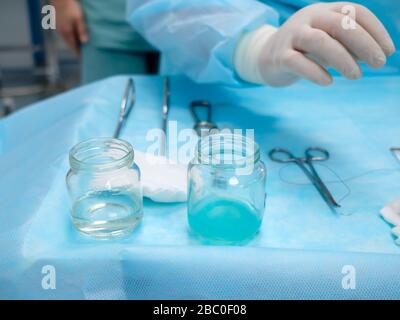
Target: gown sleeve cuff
248, 51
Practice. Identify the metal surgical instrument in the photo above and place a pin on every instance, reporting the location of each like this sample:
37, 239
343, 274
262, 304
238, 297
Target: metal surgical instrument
396, 152
311, 154
127, 103
165, 111
200, 125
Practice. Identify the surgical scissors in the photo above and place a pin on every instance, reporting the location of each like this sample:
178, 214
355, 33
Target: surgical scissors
127, 103
311, 154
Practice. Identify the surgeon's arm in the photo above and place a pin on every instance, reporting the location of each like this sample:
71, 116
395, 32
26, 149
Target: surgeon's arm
312, 39
198, 37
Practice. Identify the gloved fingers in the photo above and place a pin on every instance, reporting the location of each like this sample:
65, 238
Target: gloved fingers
357, 41
328, 51
371, 24
302, 66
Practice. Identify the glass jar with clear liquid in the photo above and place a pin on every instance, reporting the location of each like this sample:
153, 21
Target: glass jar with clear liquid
226, 197
104, 188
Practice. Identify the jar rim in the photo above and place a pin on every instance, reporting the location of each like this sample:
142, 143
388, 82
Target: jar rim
101, 154
236, 149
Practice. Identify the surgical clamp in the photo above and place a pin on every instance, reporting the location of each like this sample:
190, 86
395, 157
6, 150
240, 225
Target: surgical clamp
311, 154
202, 125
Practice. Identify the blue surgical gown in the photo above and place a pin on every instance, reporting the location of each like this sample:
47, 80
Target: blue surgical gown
198, 37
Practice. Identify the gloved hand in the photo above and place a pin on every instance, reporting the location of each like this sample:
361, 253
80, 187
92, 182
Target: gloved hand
315, 37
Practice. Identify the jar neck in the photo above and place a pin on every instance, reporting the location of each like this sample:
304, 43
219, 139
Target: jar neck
227, 150
101, 154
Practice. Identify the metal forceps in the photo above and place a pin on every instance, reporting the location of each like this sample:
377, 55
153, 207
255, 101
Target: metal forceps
311, 154
127, 103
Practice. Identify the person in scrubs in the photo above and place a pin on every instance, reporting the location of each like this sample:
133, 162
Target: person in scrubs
99, 33
272, 42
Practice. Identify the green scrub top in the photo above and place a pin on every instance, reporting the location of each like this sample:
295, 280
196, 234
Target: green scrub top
108, 28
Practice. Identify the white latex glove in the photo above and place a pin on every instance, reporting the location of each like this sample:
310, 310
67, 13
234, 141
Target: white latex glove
313, 38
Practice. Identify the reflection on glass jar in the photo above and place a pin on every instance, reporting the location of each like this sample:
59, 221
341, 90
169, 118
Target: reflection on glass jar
104, 188
226, 197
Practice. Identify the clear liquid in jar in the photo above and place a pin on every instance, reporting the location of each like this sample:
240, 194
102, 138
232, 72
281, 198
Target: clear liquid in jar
107, 214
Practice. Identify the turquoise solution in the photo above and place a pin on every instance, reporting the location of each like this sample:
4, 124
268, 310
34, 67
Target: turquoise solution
107, 214
224, 220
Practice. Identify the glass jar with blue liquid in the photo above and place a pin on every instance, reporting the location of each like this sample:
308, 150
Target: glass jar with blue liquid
226, 196
104, 188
